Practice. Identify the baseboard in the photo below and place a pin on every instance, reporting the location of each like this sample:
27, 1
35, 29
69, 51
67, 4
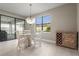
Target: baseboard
49, 41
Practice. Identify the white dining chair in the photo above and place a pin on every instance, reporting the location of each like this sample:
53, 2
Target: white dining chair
36, 38
29, 37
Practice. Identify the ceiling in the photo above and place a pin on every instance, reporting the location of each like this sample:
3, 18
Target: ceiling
22, 9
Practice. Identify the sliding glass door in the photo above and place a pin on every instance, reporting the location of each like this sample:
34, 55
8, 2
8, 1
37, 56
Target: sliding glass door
10, 25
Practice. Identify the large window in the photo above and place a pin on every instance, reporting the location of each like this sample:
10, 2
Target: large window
19, 25
43, 23
38, 24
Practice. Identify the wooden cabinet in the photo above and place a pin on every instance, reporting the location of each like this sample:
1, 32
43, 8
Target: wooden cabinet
68, 39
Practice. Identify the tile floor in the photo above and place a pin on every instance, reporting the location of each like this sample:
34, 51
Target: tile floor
9, 48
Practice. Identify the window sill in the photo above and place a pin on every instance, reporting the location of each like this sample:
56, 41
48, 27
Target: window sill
43, 32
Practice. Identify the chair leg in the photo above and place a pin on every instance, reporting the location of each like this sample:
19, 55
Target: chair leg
38, 43
34, 43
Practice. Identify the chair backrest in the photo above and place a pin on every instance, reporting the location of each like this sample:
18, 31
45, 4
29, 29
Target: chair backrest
27, 32
36, 35
17, 34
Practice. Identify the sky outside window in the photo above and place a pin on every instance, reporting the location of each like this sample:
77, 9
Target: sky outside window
46, 19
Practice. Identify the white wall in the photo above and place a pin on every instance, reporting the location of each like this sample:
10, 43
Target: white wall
64, 18
10, 14
78, 22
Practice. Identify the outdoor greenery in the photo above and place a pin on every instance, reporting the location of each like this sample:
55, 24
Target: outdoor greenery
48, 29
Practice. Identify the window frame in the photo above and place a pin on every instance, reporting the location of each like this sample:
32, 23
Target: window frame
42, 25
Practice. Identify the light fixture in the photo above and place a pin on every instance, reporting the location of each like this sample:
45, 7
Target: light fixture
30, 11
29, 19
